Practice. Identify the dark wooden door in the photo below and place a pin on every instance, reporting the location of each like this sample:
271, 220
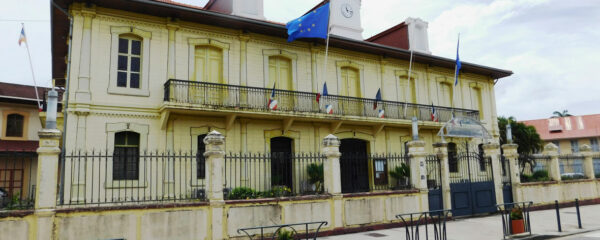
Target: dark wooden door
281, 162
354, 165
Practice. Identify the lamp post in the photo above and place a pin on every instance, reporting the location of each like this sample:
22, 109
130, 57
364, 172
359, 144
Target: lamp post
415, 129
51, 109
509, 138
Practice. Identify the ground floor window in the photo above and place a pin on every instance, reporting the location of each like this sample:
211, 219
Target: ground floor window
126, 156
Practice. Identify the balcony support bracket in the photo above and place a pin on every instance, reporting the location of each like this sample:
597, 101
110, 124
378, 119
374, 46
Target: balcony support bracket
287, 124
335, 126
377, 128
164, 119
229, 120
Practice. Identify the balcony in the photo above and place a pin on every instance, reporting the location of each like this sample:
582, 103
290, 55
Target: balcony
207, 96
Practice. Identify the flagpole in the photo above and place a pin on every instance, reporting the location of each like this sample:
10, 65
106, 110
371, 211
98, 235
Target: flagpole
408, 79
326, 53
455, 78
31, 67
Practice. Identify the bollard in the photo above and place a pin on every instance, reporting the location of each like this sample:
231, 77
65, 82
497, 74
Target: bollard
557, 215
578, 214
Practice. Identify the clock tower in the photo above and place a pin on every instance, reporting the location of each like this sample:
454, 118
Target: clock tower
345, 19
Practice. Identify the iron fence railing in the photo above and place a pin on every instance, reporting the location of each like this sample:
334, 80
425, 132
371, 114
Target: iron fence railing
534, 167
596, 161
571, 167
255, 98
434, 172
261, 175
18, 172
505, 170
388, 171
95, 178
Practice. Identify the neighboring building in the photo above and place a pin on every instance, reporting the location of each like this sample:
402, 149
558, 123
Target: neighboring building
160, 75
569, 133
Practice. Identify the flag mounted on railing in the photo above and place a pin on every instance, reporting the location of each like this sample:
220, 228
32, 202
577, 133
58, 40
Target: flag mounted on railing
377, 98
434, 116
22, 37
381, 113
325, 93
272, 100
329, 109
312, 25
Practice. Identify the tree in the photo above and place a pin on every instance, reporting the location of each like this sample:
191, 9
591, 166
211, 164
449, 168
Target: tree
526, 137
564, 113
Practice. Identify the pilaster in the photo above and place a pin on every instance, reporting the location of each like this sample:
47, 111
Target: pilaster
512, 156
551, 151
588, 161
492, 151
172, 27
441, 150
46, 182
82, 94
416, 152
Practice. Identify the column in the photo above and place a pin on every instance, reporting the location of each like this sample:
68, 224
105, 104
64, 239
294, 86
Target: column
588, 161
332, 177
47, 181
416, 152
82, 95
492, 150
551, 150
215, 179
441, 150
512, 156
314, 52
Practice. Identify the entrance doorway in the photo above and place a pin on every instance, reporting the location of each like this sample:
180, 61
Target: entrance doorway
281, 161
354, 165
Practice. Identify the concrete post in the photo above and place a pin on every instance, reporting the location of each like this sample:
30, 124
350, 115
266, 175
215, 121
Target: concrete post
47, 181
551, 150
492, 150
215, 179
588, 161
512, 156
416, 152
332, 177
441, 150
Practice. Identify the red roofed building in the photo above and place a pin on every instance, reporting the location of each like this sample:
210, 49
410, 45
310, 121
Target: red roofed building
569, 133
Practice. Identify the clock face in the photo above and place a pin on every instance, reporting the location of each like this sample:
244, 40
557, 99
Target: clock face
347, 10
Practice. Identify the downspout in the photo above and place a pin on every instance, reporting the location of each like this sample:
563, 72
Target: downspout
66, 103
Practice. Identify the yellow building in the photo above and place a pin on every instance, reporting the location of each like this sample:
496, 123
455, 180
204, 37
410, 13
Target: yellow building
569, 133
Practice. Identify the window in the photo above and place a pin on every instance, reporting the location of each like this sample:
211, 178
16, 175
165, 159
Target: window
126, 156
281, 161
200, 159
351, 82
14, 125
129, 61
452, 157
476, 101
574, 146
557, 143
380, 171
445, 94
208, 64
594, 143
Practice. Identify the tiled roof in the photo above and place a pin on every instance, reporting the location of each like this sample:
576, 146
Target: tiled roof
567, 127
20, 91
18, 146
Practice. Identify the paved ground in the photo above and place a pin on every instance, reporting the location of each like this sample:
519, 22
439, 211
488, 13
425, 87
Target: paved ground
490, 227
595, 235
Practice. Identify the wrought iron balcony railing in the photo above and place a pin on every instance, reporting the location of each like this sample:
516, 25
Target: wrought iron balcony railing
256, 99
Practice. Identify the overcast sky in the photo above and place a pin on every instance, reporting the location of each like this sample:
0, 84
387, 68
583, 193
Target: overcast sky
552, 46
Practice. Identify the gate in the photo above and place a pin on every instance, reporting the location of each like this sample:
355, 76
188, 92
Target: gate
354, 166
471, 183
506, 184
434, 183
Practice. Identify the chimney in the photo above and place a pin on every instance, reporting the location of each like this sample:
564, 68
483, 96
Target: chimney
418, 39
243, 8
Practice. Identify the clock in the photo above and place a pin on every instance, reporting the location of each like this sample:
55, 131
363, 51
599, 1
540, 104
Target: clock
347, 10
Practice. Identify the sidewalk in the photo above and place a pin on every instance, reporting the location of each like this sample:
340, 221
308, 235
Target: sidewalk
490, 227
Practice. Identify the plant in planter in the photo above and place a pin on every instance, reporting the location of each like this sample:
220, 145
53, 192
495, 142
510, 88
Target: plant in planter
401, 174
315, 176
285, 235
516, 221
242, 193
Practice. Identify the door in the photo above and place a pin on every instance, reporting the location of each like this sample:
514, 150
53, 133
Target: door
506, 184
434, 183
354, 165
280, 74
208, 68
351, 88
281, 162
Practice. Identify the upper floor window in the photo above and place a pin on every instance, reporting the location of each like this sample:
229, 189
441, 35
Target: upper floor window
445, 94
574, 146
476, 101
126, 156
208, 64
280, 73
14, 125
594, 143
350, 82
129, 61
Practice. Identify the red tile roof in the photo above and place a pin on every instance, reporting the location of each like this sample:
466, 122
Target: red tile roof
18, 146
20, 91
567, 127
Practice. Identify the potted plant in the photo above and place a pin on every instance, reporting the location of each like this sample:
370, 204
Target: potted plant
516, 221
285, 235
401, 174
315, 176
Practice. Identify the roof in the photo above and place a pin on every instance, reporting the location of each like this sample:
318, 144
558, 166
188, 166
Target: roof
572, 127
396, 36
18, 146
22, 93
169, 9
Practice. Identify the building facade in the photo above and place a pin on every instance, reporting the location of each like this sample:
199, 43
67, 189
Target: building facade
570, 133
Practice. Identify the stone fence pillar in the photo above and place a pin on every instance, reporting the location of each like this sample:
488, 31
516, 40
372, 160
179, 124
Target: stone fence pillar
215, 179
441, 150
551, 150
492, 150
512, 156
332, 177
416, 152
47, 181
588, 161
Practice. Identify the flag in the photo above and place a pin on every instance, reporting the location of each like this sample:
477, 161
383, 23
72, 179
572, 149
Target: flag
329, 109
381, 113
323, 94
272, 101
22, 37
433, 113
312, 25
458, 65
377, 98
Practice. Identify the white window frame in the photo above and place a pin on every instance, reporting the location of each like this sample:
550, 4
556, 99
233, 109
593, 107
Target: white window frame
145, 36
111, 130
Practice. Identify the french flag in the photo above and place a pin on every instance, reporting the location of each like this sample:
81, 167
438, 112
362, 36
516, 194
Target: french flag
329, 109
325, 93
381, 113
272, 100
433, 114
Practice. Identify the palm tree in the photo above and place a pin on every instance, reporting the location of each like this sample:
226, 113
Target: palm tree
564, 113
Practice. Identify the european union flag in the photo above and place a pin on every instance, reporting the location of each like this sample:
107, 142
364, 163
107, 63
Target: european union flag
312, 25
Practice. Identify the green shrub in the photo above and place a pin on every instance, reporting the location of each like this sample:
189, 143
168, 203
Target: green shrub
285, 235
516, 214
315, 172
574, 177
401, 171
541, 175
598, 175
526, 178
242, 193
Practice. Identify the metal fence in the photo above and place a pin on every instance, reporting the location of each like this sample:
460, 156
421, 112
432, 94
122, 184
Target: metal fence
571, 167
95, 178
255, 175
434, 172
18, 171
505, 170
596, 161
243, 97
534, 167
389, 171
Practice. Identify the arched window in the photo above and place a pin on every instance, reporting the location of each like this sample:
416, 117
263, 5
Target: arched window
452, 157
126, 156
200, 159
129, 61
14, 125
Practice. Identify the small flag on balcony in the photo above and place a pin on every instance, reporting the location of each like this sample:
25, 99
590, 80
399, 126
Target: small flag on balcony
272, 100
381, 113
323, 94
434, 116
377, 99
458, 64
329, 109
22, 37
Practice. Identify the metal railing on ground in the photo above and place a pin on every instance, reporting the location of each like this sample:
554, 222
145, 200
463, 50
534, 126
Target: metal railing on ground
519, 212
432, 223
18, 172
284, 231
571, 167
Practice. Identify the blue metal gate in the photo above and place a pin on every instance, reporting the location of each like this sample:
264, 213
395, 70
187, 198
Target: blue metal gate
434, 183
506, 184
471, 183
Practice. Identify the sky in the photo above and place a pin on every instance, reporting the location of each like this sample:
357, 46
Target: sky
552, 46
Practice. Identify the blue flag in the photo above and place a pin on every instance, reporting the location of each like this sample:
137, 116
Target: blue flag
377, 98
312, 25
458, 65
325, 93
